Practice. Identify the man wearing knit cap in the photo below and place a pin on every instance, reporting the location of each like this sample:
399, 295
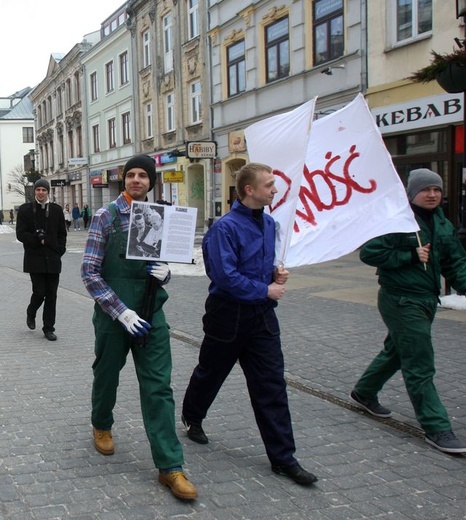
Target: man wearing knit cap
409, 267
41, 228
129, 318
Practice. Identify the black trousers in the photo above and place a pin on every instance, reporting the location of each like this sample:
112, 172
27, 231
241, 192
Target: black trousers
44, 291
249, 334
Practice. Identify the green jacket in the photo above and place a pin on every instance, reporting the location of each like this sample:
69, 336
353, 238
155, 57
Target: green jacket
398, 265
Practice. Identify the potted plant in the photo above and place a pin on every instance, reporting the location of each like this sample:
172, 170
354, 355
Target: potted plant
449, 70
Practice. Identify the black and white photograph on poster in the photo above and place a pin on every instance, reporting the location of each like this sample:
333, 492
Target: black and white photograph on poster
161, 232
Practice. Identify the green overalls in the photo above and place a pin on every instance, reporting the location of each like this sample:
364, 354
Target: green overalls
407, 302
153, 362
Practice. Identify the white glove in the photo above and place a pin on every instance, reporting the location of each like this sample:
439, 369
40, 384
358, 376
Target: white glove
133, 324
159, 270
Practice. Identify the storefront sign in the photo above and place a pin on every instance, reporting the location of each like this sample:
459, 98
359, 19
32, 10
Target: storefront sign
100, 185
164, 158
75, 176
201, 149
236, 142
419, 113
58, 183
73, 161
176, 176
115, 174
96, 179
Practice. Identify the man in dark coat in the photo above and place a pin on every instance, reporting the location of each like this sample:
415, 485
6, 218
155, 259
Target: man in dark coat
40, 226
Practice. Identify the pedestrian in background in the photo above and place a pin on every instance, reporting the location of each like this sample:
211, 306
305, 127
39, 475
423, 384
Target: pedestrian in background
67, 215
119, 288
240, 321
40, 226
409, 276
12, 217
76, 214
86, 215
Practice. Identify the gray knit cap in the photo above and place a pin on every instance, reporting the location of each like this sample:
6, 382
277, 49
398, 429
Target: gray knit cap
420, 179
42, 183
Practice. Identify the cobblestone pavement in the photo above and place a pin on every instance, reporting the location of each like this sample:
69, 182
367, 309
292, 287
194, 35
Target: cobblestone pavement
367, 468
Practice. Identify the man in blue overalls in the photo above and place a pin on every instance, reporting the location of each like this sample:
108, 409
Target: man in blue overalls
118, 287
240, 323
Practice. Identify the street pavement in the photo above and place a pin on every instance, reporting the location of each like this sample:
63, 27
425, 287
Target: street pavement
331, 329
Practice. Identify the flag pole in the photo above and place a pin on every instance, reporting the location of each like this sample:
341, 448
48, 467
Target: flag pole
420, 245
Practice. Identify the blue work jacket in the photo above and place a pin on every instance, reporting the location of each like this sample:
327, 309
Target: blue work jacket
238, 255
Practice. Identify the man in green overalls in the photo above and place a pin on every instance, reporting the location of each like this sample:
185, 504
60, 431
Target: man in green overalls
119, 288
409, 266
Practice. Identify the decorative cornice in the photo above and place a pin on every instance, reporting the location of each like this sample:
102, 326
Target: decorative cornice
234, 36
274, 14
246, 14
152, 14
214, 35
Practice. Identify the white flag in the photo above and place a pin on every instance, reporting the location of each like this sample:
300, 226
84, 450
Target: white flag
280, 142
350, 191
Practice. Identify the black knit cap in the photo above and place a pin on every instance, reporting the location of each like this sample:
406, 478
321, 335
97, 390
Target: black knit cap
42, 183
144, 162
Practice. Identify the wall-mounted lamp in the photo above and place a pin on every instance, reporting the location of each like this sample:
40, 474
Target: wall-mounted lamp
329, 70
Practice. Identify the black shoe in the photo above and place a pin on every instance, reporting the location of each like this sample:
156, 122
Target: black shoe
446, 441
50, 335
195, 432
296, 473
370, 405
31, 322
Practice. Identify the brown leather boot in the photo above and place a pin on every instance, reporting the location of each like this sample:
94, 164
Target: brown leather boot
179, 485
103, 441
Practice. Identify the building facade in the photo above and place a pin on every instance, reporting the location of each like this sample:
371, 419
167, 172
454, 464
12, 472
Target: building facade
173, 97
16, 141
421, 123
269, 57
61, 142
109, 115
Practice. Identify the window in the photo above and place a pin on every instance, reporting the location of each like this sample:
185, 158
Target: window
277, 48
148, 112
168, 43
52, 163
126, 124
124, 78
61, 150
111, 133
193, 18
170, 112
328, 30
77, 87
196, 106
68, 93
59, 101
49, 109
413, 18
236, 64
93, 80
70, 144
96, 138
28, 134
146, 49
109, 76
79, 140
